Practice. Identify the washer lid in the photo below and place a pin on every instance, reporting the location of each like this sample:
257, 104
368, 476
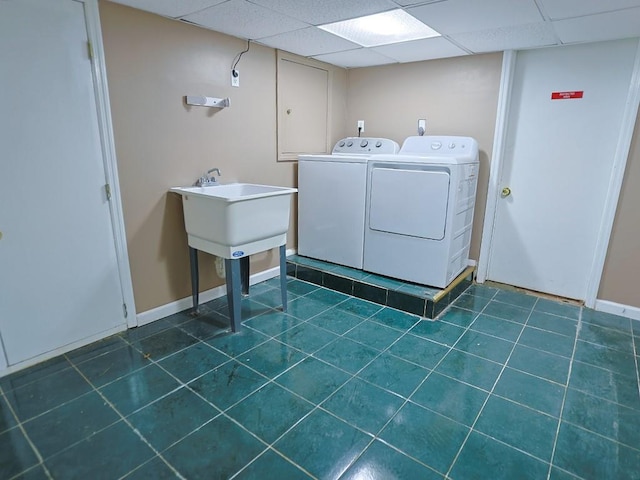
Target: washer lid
409, 202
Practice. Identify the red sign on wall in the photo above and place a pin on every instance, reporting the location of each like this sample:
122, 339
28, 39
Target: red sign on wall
566, 95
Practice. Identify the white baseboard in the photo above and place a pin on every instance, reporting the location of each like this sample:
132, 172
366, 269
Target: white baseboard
618, 309
142, 318
206, 296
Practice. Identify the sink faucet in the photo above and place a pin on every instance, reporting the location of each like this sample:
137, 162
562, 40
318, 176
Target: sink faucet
207, 180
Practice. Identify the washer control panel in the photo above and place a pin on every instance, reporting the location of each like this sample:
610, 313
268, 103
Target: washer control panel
365, 146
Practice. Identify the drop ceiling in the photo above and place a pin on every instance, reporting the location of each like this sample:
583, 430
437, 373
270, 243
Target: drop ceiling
466, 26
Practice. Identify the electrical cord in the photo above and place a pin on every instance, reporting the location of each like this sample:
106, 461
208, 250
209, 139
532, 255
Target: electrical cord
239, 56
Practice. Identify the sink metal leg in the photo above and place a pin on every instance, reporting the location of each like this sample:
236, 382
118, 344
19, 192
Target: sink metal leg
195, 278
283, 276
244, 275
233, 292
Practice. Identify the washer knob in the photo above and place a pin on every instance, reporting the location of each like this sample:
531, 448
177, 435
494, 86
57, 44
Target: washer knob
341, 144
364, 143
436, 145
378, 144
452, 145
349, 143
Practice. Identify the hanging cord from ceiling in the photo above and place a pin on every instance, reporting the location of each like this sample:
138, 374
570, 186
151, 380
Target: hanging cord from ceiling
239, 56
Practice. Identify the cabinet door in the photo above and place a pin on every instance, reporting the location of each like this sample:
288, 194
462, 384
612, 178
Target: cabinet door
303, 108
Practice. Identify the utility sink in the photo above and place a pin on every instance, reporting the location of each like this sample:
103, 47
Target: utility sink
237, 219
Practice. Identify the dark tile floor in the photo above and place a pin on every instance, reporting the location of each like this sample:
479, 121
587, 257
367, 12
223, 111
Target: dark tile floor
502, 386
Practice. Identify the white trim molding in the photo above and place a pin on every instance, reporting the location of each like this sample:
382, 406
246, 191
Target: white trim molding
497, 160
615, 183
105, 125
3, 357
162, 311
618, 309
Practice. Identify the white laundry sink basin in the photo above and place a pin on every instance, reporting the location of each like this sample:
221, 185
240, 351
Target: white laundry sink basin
237, 219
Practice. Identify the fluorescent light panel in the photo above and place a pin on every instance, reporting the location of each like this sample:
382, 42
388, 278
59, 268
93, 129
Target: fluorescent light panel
381, 29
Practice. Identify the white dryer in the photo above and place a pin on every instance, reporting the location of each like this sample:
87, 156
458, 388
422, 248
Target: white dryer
331, 200
419, 209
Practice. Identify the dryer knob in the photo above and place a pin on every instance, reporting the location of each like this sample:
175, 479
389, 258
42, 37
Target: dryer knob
349, 143
436, 145
341, 144
452, 146
364, 143
378, 144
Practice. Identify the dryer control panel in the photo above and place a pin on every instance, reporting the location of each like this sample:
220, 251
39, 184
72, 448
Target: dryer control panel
440, 145
365, 146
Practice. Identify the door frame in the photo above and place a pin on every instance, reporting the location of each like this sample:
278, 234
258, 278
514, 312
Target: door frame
105, 125
615, 181
3, 358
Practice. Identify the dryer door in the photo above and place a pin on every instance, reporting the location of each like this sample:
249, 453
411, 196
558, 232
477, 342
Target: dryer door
409, 201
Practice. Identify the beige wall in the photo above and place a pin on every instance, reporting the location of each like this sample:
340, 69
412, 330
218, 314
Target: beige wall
620, 279
152, 63
457, 96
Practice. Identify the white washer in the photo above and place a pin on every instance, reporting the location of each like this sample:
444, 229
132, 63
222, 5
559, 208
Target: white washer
331, 200
419, 209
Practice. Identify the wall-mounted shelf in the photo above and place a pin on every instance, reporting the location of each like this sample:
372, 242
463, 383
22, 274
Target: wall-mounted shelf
201, 101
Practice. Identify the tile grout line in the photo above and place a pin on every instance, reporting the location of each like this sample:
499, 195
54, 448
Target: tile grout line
276, 452
600, 435
495, 383
636, 352
128, 423
135, 430
564, 397
35, 449
269, 381
318, 406
407, 399
73, 365
221, 413
527, 346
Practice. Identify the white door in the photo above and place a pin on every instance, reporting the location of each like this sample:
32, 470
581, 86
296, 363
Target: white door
59, 279
558, 162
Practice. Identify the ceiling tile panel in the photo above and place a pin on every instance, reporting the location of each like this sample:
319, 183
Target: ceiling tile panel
308, 41
407, 3
362, 57
170, 8
557, 9
475, 26
245, 20
457, 16
508, 38
318, 12
427, 49
606, 26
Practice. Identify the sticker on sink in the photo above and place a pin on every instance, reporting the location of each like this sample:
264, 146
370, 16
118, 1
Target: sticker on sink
238, 253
